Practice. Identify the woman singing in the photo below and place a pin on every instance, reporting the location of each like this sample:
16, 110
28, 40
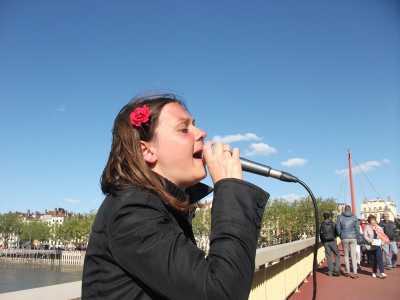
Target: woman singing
142, 244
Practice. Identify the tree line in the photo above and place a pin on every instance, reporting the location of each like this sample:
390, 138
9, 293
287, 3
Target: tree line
283, 221
75, 230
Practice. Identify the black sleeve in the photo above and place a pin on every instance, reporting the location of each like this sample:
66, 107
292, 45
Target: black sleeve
154, 250
338, 229
335, 230
321, 232
357, 227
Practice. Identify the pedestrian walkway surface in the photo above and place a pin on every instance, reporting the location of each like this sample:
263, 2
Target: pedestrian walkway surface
345, 288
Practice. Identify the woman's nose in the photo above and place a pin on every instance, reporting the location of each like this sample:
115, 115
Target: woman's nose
201, 134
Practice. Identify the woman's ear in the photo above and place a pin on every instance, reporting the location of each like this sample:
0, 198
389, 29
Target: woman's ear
148, 153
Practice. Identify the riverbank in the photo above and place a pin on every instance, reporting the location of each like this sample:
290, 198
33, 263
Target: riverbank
21, 276
43, 256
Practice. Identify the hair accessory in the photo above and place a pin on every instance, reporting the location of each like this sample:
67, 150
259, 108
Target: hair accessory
139, 116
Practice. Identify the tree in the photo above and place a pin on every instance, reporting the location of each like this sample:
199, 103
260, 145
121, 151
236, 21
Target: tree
10, 223
76, 229
326, 205
285, 221
58, 234
35, 230
201, 225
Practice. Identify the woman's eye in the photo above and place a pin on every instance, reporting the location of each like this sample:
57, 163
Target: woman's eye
184, 130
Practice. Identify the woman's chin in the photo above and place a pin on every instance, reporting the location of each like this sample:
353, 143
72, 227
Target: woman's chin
203, 170
199, 173
203, 174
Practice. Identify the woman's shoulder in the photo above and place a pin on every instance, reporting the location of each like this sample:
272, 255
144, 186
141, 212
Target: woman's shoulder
126, 200
368, 227
131, 203
135, 196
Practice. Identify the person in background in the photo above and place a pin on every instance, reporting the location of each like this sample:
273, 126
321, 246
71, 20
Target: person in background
390, 249
327, 233
375, 237
362, 242
348, 228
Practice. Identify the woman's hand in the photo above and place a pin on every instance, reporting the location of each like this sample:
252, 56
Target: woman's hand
221, 162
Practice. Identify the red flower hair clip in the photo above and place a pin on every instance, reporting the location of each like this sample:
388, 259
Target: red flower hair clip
140, 115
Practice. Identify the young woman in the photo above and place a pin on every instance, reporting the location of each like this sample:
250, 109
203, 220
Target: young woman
375, 236
142, 245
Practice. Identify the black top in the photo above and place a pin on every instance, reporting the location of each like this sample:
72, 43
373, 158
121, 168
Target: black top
327, 231
389, 229
141, 248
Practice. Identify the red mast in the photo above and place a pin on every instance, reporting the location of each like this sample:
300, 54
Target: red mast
353, 198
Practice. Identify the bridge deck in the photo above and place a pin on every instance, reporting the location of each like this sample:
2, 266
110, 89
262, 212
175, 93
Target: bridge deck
345, 288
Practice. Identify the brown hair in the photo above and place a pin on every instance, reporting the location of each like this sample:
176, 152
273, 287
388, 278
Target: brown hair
126, 165
370, 217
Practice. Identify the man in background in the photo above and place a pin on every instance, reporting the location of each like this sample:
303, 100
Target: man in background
390, 249
348, 229
327, 233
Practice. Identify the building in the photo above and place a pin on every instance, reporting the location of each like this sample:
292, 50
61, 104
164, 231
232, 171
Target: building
51, 217
339, 208
378, 207
51, 220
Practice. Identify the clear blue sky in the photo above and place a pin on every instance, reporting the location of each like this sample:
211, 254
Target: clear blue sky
306, 79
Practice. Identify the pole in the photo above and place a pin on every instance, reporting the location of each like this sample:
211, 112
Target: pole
353, 198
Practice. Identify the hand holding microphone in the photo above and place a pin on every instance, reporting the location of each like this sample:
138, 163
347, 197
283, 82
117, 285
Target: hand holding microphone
222, 162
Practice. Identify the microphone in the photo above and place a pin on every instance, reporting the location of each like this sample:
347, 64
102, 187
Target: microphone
263, 170
260, 169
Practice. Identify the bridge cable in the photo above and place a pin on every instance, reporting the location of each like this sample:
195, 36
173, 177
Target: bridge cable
368, 180
341, 189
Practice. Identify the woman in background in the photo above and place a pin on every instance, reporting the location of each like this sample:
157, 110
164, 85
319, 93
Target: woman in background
375, 236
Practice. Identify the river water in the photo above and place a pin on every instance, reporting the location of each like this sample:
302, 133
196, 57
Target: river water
19, 276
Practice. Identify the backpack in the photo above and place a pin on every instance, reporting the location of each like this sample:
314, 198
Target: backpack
361, 240
327, 232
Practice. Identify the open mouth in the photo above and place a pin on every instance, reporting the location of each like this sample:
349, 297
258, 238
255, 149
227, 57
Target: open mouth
198, 154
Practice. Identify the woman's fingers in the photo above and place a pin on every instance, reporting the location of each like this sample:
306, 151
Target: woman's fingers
222, 162
227, 147
236, 153
218, 148
227, 151
207, 151
237, 166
